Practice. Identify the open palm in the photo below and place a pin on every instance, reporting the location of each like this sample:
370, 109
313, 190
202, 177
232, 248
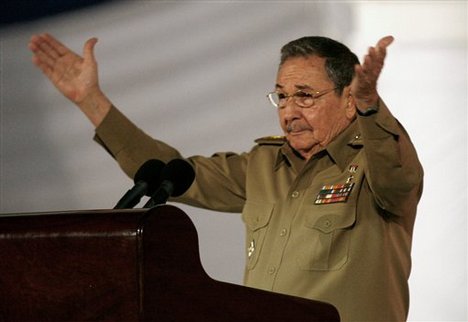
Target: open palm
74, 76
364, 84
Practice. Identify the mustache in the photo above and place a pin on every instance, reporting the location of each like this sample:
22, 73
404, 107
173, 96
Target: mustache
296, 127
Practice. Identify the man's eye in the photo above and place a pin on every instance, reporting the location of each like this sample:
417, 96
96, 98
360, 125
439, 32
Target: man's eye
304, 95
281, 96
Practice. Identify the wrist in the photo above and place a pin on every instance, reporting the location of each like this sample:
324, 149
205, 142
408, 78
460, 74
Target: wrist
368, 106
368, 111
96, 106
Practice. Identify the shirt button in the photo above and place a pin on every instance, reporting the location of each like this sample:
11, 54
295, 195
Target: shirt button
283, 232
295, 194
271, 270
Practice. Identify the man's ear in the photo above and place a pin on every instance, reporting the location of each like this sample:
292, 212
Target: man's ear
350, 108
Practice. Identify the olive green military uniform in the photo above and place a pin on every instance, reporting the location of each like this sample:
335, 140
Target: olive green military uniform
335, 228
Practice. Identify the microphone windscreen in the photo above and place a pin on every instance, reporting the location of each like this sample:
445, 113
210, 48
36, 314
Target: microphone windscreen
150, 172
180, 173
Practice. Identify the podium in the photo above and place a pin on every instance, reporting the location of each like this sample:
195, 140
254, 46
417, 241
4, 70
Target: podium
124, 265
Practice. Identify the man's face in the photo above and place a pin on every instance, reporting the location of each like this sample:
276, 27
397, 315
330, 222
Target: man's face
310, 129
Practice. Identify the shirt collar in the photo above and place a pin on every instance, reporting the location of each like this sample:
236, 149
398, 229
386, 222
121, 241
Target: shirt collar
341, 150
345, 146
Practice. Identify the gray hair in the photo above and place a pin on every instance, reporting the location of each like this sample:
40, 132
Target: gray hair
339, 60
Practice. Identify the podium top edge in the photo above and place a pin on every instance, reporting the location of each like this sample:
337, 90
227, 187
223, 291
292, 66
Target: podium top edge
73, 212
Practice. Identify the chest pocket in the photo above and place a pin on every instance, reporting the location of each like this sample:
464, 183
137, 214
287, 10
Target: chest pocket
256, 217
325, 242
327, 227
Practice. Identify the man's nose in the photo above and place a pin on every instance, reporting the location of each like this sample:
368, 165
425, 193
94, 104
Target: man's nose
290, 109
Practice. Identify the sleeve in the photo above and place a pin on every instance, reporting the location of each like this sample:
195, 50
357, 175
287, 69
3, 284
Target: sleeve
219, 180
129, 145
394, 172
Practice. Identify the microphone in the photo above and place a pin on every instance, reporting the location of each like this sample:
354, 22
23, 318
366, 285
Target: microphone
146, 182
176, 178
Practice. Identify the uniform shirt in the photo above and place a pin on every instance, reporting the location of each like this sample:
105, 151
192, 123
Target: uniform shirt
336, 228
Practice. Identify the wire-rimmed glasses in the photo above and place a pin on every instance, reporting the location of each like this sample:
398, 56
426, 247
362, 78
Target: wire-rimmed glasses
301, 98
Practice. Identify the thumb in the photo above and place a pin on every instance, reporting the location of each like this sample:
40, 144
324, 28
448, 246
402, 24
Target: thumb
88, 49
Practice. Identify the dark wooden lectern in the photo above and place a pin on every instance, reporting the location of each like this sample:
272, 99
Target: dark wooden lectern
124, 265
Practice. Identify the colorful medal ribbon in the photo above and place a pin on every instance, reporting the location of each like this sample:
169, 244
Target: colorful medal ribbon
334, 193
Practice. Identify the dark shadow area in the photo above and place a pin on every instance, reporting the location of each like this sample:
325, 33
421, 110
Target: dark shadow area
16, 11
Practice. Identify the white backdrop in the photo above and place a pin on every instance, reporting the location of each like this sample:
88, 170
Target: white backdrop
196, 73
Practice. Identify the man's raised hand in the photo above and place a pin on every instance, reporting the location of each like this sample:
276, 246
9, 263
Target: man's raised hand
76, 77
364, 84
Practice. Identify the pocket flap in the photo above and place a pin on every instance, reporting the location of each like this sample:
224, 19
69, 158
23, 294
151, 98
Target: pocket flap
331, 218
256, 215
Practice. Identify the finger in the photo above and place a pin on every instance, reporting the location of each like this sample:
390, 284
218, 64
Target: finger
373, 62
48, 50
376, 54
360, 74
39, 46
44, 58
372, 54
368, 64
371, 68
385, 42
47, 70
382, 44
88, 49
60, 48
33, 42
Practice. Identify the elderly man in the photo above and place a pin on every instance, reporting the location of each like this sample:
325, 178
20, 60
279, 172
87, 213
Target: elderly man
329, 208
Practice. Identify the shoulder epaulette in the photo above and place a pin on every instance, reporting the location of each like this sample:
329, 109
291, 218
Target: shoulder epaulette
271, 140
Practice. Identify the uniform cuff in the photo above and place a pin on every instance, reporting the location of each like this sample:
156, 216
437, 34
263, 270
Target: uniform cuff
114, 131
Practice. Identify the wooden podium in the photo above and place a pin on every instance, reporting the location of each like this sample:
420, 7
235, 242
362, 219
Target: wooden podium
124, 265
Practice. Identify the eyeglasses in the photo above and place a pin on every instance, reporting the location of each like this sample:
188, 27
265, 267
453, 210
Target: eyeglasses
301, 98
